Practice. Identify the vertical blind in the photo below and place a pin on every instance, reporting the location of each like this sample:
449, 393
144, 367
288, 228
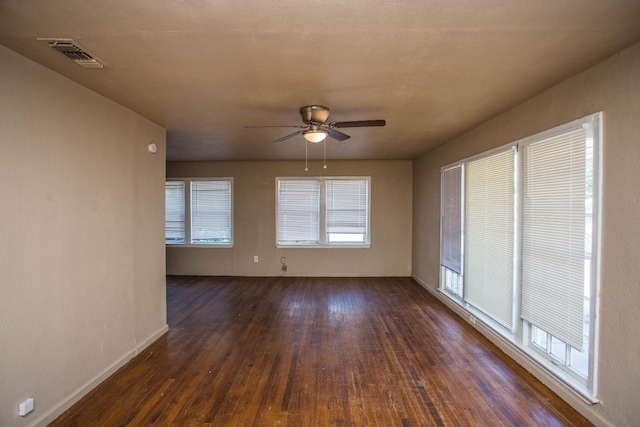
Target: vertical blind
174, 212
554, 235
451, 219
347, 210
489, 235
211, 211
298, 215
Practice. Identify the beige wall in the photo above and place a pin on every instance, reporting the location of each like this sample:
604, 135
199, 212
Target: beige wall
82, 285
613, 87
254, 222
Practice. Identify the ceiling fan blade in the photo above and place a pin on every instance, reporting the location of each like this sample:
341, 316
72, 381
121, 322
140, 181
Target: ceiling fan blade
358, 124
277, 126
291, 135
335, 134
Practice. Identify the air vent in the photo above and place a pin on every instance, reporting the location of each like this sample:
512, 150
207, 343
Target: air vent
73, 50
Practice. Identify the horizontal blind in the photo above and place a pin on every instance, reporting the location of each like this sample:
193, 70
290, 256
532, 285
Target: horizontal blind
298, 211
346, 210
451, 219
174, 211
553, 256
489, 235
211, 211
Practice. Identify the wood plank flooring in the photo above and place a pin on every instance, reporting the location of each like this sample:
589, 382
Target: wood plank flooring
317, 352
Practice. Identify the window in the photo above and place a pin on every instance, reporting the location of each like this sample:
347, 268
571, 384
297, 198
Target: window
451, 230
174, 211
347, 210
322, 211
556, 255
523, 221
199, 212
489, 227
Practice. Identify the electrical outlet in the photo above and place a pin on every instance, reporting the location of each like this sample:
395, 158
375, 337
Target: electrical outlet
255, 258
25, 407
283, 260
284, 267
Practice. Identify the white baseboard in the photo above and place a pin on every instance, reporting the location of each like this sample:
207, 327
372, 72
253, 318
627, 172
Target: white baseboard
57, 410
588, 411
151, 339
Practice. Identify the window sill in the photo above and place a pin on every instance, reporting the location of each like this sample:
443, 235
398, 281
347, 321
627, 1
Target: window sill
580, 390
325, 246
199, 245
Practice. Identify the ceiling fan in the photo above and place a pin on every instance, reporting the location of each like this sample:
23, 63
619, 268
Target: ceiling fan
316, 128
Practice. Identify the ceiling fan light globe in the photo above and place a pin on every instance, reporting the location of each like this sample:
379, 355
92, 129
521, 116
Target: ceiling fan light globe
315, 136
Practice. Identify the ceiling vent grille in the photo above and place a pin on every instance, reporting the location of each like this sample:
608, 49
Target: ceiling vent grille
73, 50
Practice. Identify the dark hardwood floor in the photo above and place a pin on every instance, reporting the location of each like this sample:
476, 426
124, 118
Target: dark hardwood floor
317, 352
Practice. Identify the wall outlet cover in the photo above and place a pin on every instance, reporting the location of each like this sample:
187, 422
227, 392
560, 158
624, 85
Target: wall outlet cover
26, 407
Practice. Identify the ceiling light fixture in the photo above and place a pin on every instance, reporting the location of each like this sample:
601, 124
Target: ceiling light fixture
315, 135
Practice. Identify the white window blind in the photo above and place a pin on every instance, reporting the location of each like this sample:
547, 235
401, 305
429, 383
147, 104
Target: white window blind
298, 215
489, 235
553, 271
211, 211
347, 210
174, 212
451, 219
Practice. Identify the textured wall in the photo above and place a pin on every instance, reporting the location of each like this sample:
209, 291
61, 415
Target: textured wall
613, 86
254, 222
82, 279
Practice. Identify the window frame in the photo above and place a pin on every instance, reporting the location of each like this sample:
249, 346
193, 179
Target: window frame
586, 387
188, 227
521, 336
322, 214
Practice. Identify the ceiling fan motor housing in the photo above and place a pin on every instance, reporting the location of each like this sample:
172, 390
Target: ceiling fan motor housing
314, 114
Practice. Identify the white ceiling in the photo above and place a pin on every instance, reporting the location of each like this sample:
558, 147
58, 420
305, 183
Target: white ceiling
205, 69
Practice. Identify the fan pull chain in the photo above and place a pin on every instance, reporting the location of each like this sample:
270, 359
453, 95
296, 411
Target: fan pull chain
306, 165
325, 153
